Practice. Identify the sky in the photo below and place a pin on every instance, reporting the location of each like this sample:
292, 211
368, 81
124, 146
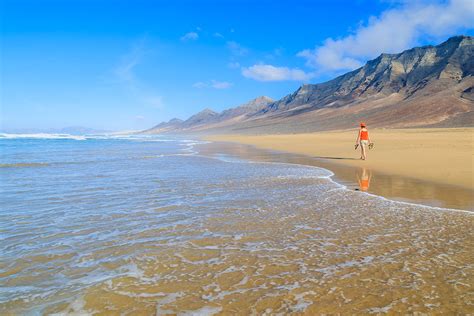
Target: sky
123, 65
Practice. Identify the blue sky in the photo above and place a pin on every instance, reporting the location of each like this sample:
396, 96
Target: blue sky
123, 65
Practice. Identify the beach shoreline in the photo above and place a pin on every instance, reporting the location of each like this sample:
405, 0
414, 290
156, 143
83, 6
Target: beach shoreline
222, 227
423, 179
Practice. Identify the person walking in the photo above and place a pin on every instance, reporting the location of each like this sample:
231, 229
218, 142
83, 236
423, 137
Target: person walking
363, 140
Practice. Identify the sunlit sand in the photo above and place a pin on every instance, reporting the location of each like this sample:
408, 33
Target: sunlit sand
438, 155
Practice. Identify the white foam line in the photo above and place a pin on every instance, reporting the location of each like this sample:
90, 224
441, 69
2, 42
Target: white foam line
41, 136
329, 177
189, 143
143, 138
420, 205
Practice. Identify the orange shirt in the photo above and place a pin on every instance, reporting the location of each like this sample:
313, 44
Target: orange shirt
364, 135
364, 184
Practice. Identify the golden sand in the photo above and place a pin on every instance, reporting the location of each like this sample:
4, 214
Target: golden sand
437, 155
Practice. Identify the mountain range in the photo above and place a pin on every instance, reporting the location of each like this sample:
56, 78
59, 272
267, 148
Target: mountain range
429, 86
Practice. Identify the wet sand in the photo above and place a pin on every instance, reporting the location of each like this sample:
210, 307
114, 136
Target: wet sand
317, 260
439, 171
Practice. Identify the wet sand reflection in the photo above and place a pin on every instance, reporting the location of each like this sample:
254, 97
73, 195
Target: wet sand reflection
390, 186
363, 178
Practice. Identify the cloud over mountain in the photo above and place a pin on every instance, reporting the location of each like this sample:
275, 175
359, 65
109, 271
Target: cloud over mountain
394, 30
272, 73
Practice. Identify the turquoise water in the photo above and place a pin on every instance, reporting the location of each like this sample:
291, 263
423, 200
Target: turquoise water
148, 224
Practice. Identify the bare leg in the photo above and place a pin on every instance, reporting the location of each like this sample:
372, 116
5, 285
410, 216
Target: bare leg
362, 148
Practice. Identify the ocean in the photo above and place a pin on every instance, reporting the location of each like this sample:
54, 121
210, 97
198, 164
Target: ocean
152, 225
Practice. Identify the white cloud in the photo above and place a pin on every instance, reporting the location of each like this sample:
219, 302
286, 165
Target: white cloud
233, 65
213, 84
277, 52
220, 84
139, 117
125, 69
191, 36
237, 49
218, 35
155, 101
393, 31
125, 72
200, 85
273, 73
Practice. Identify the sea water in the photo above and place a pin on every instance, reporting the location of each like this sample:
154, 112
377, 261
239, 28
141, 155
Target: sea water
149, 225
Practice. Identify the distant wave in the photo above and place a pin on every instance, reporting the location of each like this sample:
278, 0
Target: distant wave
25, 164
42, 136
148, 138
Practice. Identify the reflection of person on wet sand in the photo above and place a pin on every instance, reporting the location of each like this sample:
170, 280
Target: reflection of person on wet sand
364, 179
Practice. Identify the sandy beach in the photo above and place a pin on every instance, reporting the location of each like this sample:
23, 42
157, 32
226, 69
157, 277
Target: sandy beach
442, 156
163, 226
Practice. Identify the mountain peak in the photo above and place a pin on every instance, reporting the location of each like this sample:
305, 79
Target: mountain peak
262, 98
257, 102
248, 108
458, 39
203, 117
207, 111
175, 121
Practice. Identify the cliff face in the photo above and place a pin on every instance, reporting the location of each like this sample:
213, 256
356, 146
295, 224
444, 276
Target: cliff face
403, 73
422, 86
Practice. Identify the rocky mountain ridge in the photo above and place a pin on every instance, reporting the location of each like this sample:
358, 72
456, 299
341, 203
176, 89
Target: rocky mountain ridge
422, 86
208, 116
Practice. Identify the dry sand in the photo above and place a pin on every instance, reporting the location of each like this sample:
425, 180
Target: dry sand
438, 155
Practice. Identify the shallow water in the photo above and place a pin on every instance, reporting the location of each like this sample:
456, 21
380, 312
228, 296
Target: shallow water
391, 186
148, 225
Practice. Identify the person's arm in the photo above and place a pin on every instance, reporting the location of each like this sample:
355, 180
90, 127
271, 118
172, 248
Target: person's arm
358, 137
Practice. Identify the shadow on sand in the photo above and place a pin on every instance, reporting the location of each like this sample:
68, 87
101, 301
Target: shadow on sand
336, 158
